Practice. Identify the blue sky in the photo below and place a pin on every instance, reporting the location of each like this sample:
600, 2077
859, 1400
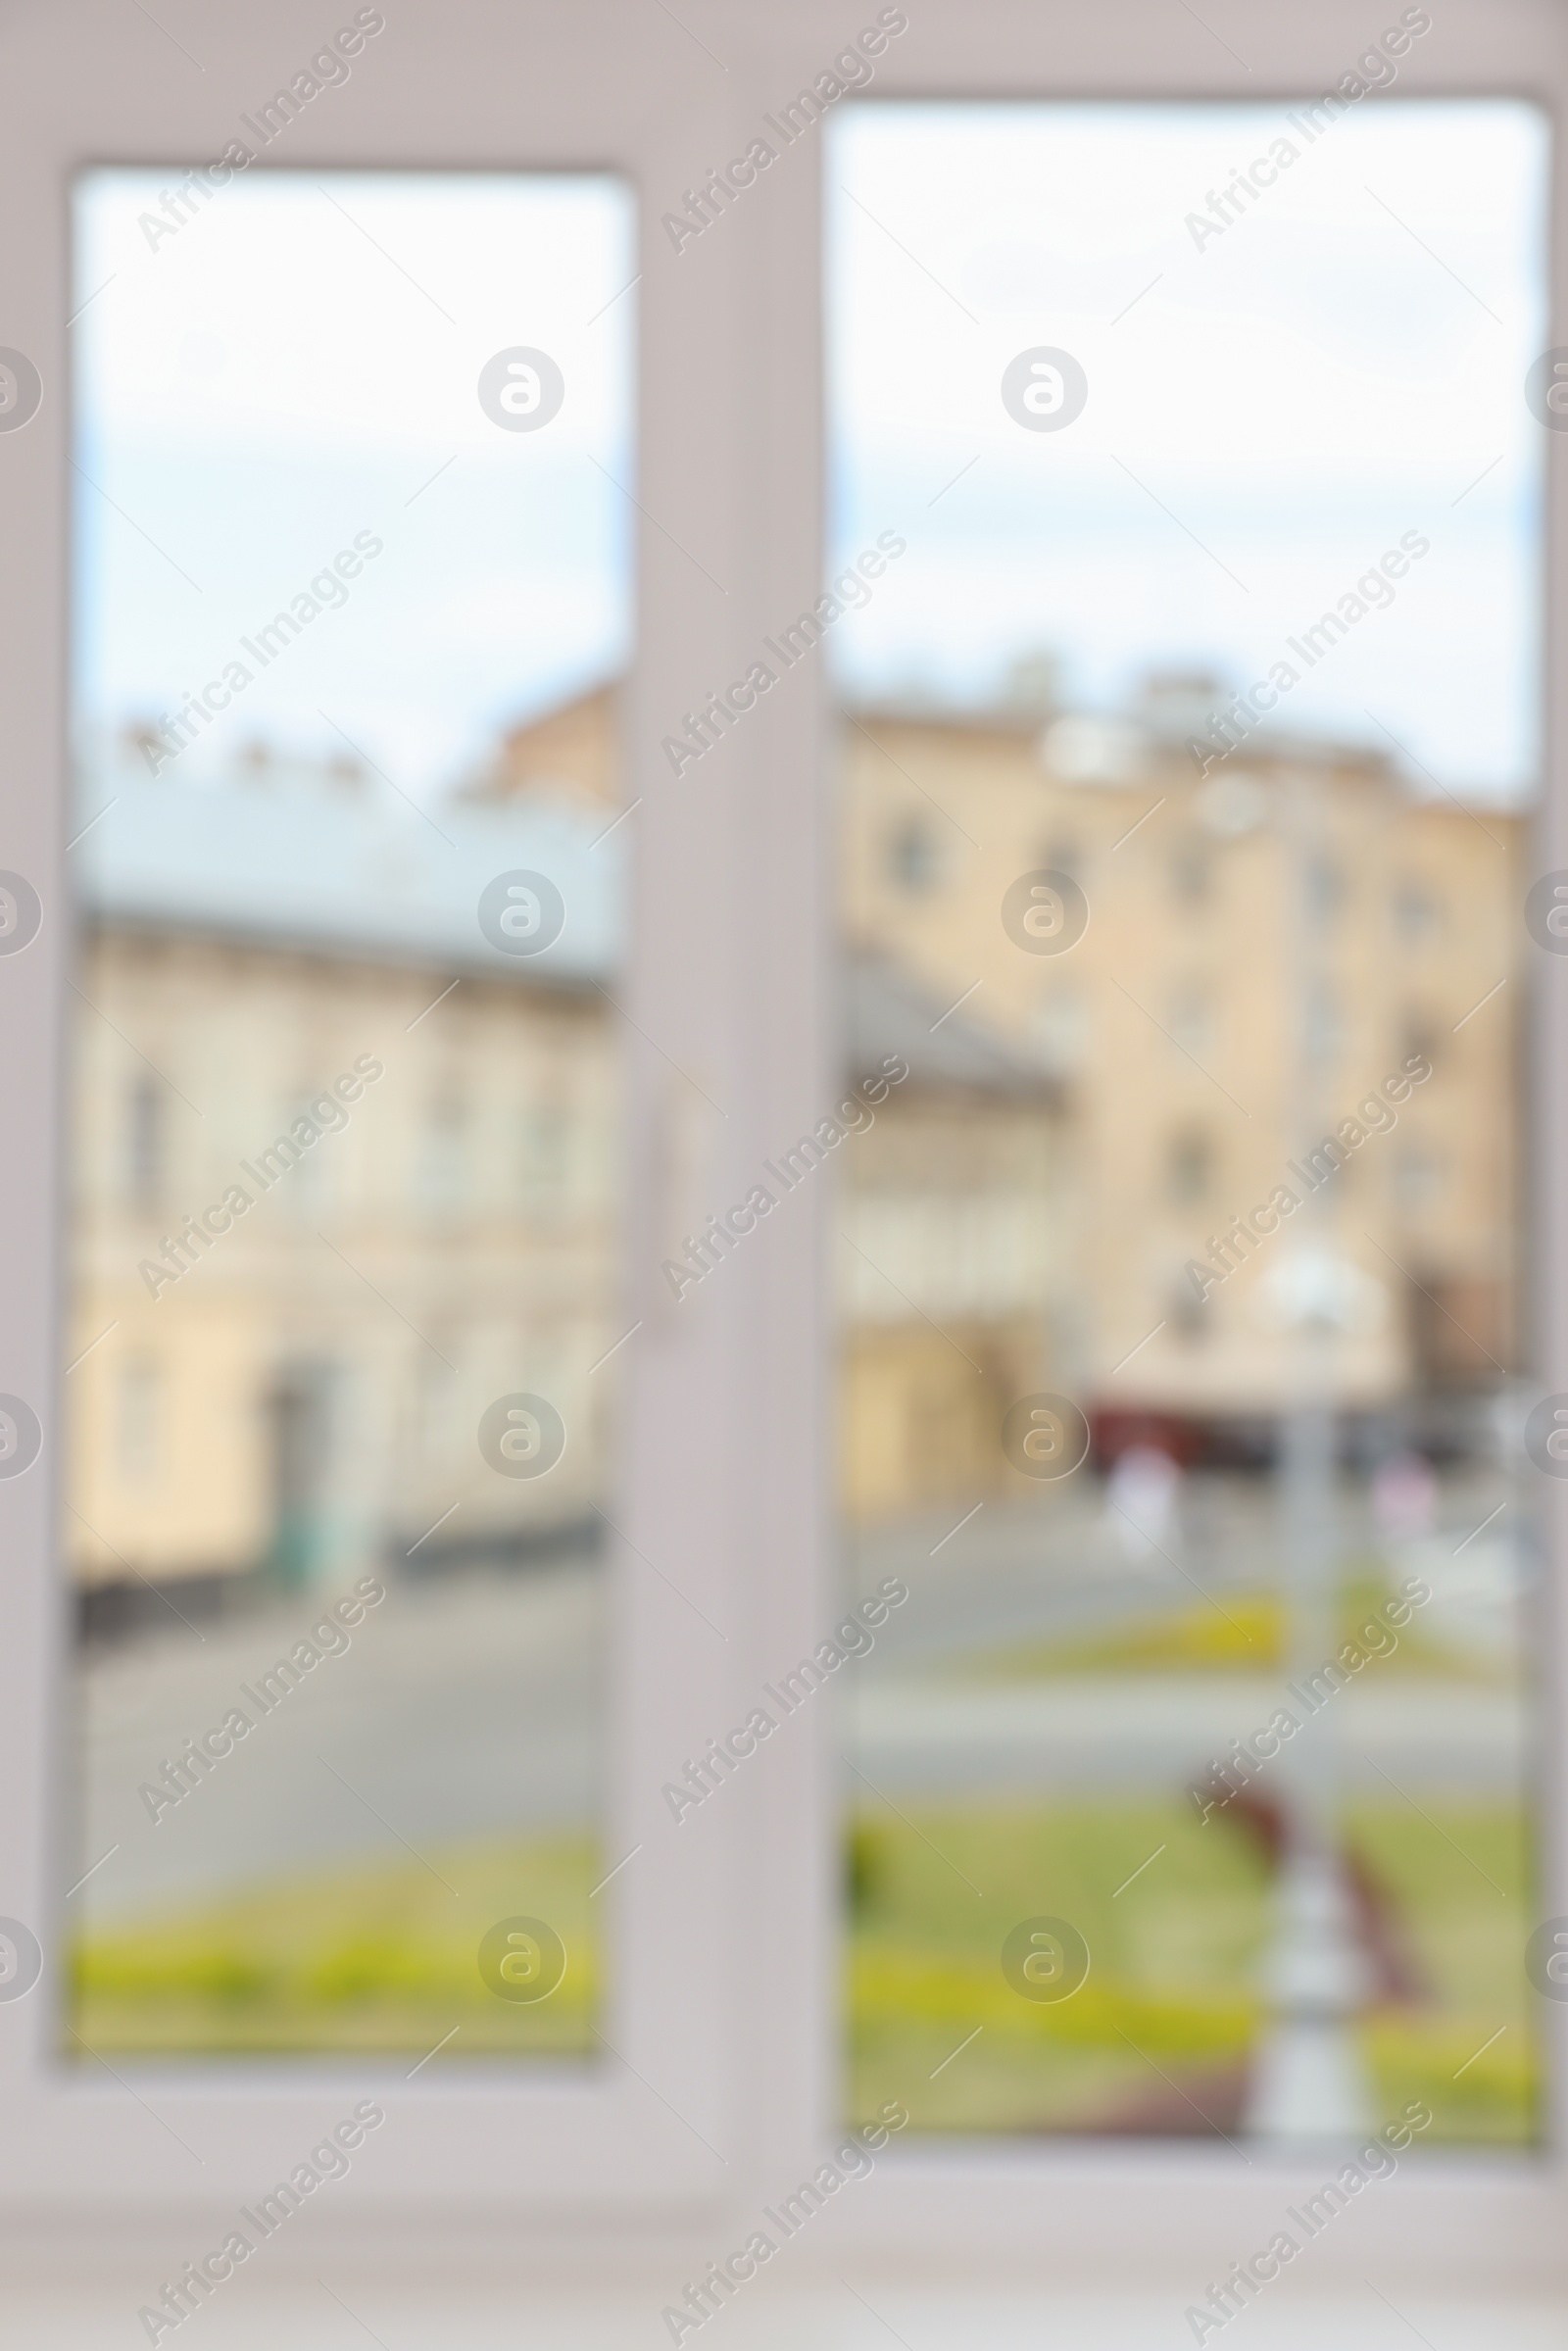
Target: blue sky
1267, 413
291, 369
1278, 404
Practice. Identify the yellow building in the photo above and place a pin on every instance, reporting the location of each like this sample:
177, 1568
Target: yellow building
1063, 1193
1264, 946
953, 1263
344, 1177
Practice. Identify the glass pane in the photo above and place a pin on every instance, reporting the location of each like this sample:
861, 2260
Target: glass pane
352, 581
1187, 513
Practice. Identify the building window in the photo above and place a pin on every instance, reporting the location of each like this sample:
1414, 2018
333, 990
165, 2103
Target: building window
1060, 1025
438, 1391
914, 860
1189, 1314
1322, 1024
1417, 912
1192, 873
1419, 1040
546, 1158
144, 1140
1192, 1022
444, 1158
138, 1432
1325, 889
1190, 1168
1418, 1177
310, 1178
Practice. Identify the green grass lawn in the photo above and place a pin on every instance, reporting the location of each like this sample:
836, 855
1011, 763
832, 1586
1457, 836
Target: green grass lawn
1462, 1879
368, 1958
384, 1959
1170, 1999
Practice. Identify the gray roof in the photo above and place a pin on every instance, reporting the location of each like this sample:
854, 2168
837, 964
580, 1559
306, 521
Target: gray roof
290, 858
889, 1013
294, 858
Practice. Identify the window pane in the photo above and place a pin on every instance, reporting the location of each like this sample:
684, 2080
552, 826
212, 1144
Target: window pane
1187, 515
352, 578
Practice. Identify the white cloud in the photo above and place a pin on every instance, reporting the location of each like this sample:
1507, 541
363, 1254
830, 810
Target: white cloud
1296, 392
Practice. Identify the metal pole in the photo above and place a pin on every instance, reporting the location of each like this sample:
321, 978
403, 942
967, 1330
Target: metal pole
1309, 2081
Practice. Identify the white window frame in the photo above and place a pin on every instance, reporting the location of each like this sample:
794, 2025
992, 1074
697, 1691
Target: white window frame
723, 1969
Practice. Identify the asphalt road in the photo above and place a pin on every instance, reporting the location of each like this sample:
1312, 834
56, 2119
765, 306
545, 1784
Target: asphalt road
462, 1708
471, 1704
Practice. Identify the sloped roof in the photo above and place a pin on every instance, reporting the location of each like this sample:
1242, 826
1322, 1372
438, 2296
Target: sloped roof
300, 862
886, 1011
289, 857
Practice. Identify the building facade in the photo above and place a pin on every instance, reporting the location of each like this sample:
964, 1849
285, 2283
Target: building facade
345, 1175
1291, 954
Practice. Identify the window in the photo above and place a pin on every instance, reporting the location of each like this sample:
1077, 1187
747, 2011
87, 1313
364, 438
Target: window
435, 1386
1421, 1039
1189, 1312
1326, 890
144, 1141
1024, 1903
1060, 1026
1192, 873
687, 1211
1418, 1178
913, 860
1323, 1023
1192, 1020
546, 1154
444, 1164
1189, 1168
1417, 912
140, 1396
335, 952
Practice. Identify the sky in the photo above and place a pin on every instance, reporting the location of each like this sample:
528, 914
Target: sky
1267, 413
1269, 409
298, 366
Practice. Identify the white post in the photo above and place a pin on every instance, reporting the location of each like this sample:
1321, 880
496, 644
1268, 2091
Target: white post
1308, 2083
